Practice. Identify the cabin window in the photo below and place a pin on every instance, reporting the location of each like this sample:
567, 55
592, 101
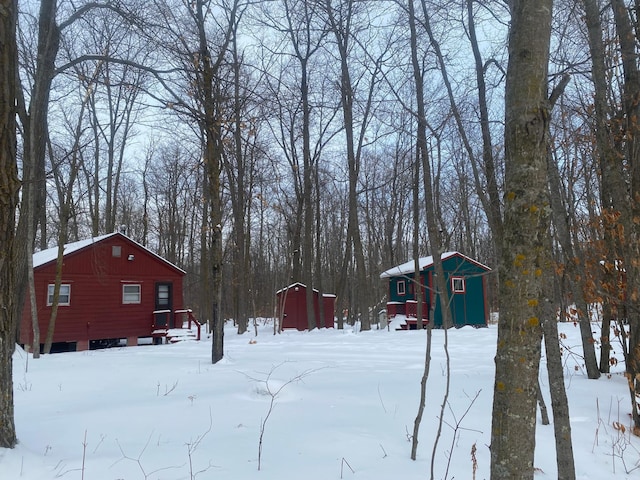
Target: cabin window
458, 285
64, 297
130, 293
116, 251
401, 287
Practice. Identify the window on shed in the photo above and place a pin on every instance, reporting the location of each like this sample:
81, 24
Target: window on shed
116, 251
401, 287
458, 285
131, 293
64, 297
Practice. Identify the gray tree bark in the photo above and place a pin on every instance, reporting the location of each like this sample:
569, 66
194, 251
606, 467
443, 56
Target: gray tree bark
34, 122
559, 402
421, 149
612, 195
423, 161
340, 21
525, 261
211, 130
631, 240
573, 257
9, 187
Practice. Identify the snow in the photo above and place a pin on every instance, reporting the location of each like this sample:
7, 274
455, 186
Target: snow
337, 404
50, 254
424, 262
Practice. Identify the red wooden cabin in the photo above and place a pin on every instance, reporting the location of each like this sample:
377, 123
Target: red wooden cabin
292, 307
112, 288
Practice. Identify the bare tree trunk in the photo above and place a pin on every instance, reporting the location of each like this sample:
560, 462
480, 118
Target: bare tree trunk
573, 259
431, 199
612, 195
35, 325
204, 267
36, 134
544, 414
419, 86
237, 187
422, 160
341, 21
417, 275
318, 257
526, 261
65, 194
631, 246
559, 401
211, 132
491, 201
9, 187
307, 187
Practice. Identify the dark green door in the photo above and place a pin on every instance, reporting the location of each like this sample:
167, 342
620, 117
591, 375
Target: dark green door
164, 305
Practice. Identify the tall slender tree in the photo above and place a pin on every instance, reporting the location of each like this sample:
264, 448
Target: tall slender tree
525, 260
630, 213
9, 186
611, 169
343, 21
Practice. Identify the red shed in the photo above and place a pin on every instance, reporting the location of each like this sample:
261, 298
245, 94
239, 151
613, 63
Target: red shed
112, 288
292, 307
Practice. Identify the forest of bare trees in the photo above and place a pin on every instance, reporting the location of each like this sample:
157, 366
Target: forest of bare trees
255, 144
259, 143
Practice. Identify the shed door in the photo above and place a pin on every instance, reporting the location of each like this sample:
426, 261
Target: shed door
164, 301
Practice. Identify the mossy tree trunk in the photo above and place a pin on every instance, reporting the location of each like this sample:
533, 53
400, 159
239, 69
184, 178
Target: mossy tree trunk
525, 260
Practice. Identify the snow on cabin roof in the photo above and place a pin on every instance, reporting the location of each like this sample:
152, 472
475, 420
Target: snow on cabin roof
425, 262
46, 256
50, 254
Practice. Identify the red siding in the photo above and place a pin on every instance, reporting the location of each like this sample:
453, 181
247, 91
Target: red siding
292, 301
411, 309
329, 305
96, 277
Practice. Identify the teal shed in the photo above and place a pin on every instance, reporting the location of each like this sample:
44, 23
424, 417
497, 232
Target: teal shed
466, 284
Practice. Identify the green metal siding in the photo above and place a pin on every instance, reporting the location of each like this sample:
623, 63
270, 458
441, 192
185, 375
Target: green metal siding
468, 308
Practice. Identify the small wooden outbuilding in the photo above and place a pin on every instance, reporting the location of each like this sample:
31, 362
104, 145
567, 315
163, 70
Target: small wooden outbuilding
291, 304
112, 288
466, 286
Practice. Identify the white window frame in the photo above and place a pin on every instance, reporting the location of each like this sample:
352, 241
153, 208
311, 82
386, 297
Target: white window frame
458, 285
131, 298
61, 295
401, 287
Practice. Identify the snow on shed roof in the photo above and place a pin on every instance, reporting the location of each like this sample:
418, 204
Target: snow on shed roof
298, 284
425, 262
50, 254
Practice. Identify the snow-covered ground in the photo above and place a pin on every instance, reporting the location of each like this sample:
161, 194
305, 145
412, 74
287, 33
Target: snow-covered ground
331, 404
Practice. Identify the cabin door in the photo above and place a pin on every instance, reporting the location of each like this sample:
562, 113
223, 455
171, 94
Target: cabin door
164, 305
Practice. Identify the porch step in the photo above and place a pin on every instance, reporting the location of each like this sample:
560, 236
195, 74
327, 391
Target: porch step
411, 324
175, 335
